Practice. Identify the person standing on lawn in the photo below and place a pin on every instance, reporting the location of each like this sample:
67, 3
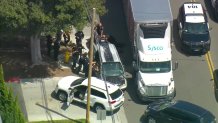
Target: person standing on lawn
79, 35
56, 49
49, 44
75, 58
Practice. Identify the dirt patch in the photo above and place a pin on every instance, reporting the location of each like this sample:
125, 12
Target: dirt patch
18, 65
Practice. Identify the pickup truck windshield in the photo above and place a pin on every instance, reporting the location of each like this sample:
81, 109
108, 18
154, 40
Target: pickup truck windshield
155, 67
112, 69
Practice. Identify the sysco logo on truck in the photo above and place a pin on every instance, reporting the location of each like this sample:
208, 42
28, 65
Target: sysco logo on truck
155, 48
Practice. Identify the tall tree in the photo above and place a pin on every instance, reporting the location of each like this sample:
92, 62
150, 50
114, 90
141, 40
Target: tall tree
34, 17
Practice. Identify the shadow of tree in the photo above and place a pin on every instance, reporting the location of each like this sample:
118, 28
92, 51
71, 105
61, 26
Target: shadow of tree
53, 111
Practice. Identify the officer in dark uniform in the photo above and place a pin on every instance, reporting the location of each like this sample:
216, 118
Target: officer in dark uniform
79, 35
86, 65
83, 62
49, 44
80, 48
75, 57
99, 29
56, 49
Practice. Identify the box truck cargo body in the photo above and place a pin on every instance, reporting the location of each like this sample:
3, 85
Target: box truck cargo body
149, 26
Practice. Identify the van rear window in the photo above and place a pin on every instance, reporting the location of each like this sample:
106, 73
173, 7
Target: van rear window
116, 94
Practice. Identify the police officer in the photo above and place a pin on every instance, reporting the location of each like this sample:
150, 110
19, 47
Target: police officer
49, 44
86, 65
95, 69
99, 29
79, 35
75, 57
81, 62
56, 49
80, 48
66, 36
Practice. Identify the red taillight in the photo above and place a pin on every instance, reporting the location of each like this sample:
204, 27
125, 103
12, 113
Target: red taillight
112, 102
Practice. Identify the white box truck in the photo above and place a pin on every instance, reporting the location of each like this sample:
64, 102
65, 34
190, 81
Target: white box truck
149, 25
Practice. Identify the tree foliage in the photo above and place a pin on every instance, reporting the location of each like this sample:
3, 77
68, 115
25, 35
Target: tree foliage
9, 108
36, 16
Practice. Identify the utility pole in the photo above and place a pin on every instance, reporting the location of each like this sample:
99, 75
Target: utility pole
90, 67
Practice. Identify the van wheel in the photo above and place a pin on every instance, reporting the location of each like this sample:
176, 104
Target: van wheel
98, 107
62, 96
151, 120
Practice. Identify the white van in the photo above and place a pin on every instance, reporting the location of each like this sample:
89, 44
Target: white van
111, 67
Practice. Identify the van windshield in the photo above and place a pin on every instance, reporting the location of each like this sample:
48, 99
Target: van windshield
112, 69
155, 67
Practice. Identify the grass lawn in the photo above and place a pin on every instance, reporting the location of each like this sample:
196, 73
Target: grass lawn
62, 121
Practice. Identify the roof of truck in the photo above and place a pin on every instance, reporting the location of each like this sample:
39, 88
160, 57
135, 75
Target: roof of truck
147, 11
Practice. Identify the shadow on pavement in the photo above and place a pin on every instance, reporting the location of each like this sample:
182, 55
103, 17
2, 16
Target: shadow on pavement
210, 10
42, 106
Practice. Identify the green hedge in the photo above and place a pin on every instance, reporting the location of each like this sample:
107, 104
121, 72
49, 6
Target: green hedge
9, 108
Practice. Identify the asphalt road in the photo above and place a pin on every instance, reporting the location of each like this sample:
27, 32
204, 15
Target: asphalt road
193, 78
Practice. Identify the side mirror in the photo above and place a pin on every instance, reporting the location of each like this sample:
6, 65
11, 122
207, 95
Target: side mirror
127, 75
176, 65
135, 67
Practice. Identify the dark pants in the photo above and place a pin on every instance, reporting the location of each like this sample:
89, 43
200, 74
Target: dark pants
78, 42
78, 68
75, 60
49, 50
86, 70
56, 52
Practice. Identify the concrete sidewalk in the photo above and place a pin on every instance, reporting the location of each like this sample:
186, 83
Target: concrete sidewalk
41, 104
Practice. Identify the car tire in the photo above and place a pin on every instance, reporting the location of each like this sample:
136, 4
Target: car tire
62, 96
98, 107
150, 119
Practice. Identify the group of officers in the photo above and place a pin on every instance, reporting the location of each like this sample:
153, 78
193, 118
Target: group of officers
79, 59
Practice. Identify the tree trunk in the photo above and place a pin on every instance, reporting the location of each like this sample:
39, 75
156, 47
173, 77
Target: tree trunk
35, 49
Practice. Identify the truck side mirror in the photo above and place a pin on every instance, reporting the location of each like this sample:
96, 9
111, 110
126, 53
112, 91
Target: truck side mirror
127, 75
135, 67
176, 65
